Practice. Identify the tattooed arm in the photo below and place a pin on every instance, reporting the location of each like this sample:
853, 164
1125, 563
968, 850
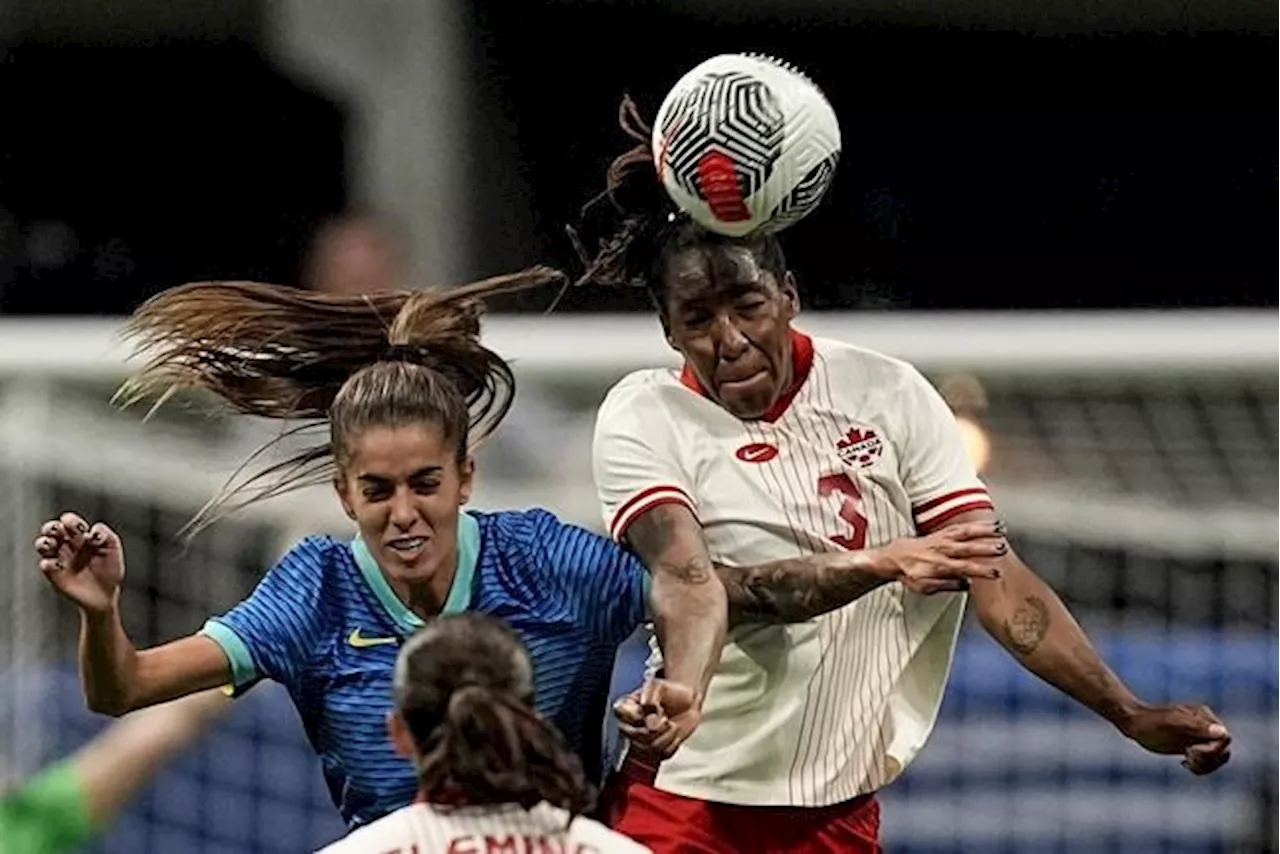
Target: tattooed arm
687, 597
801, 588
1027, 618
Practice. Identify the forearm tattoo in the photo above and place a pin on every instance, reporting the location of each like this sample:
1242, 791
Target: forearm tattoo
650, 535
790, 590
1028, 626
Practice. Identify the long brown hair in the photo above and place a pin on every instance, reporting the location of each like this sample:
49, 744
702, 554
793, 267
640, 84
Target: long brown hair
342, 362
464, 688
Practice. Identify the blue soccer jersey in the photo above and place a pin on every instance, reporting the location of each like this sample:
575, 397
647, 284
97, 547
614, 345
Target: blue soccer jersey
325, 623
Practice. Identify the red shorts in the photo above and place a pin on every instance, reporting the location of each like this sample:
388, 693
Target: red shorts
674, 824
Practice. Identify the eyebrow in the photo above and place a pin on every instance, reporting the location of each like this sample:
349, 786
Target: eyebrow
422, 472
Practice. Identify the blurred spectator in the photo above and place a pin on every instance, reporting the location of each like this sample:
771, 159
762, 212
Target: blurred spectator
356, 254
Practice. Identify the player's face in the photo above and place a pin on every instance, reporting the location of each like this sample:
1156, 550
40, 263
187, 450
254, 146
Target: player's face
730, 319
403, 487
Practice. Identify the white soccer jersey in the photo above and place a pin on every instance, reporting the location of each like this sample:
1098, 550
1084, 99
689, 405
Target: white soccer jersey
860, 451
422, 828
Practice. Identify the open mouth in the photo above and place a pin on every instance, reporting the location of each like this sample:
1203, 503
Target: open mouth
407, 547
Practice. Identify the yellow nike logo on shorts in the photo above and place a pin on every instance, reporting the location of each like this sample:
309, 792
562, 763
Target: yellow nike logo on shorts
359, 641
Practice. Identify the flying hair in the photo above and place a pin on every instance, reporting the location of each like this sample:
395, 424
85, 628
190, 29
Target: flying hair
345, 363
640, 225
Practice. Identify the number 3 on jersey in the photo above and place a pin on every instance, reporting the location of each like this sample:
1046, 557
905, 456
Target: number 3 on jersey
843, 486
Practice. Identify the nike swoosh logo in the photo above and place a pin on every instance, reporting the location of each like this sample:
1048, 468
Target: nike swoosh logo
359, 641
757, 452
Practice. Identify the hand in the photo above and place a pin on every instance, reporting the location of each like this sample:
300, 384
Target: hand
83, 563
1192, 730
659, 717
945, 560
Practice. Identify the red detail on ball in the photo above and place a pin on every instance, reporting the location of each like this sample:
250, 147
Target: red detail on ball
718, 181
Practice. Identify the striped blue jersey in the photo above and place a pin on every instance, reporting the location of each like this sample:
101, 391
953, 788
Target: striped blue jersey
325, 623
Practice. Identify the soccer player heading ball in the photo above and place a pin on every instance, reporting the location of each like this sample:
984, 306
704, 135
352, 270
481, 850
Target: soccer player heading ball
772, 443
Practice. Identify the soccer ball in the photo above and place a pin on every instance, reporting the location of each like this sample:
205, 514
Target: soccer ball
746, 144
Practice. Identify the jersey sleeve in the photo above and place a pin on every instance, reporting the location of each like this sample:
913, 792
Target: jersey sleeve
935, 466
635, 459
274, 633
604, 584
48, 815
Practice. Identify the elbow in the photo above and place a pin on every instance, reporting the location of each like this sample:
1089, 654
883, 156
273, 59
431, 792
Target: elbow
114, 703
113, 706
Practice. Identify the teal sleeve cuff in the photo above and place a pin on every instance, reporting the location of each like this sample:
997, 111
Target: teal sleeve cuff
243, 670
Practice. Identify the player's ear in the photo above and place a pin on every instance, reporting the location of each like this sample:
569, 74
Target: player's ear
791, 294
400, 736
666, 330
340, 486
466, 478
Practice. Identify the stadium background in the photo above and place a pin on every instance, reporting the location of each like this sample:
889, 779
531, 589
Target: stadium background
1027, 194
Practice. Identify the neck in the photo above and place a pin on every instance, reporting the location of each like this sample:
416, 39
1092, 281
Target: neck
426, 597
788, 373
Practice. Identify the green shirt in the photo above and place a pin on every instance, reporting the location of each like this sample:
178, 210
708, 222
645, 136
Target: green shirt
47, 815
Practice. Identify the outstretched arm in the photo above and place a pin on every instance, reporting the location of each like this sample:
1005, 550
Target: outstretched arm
687, 598
1028, 619
118, 763
801, 588
64, 805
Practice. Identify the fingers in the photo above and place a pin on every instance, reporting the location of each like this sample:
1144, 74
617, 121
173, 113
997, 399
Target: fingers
974, 530
68, 542
651, 693
1200, 724
628, 711
46, 547
954, 571
74, 526
102, 538
1207, 758
673, 698
929, 586
638, 723
986, 547
666, 742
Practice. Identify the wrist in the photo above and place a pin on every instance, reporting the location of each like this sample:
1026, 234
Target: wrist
105, 614
878, 563
1122, 712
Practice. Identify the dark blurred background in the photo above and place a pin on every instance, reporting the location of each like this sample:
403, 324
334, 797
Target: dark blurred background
993, 159
1048, 154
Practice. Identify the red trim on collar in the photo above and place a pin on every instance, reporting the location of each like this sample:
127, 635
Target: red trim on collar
801, 364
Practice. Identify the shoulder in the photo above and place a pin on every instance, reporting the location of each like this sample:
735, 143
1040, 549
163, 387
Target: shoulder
640, 390
650, 407
536, 532
509, 527
316, 553
314, 559
867, 366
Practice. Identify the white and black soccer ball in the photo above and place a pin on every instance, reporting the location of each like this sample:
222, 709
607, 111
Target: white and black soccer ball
746, 144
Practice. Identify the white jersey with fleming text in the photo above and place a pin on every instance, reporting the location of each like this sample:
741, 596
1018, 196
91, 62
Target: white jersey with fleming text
859, 451
423, 828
